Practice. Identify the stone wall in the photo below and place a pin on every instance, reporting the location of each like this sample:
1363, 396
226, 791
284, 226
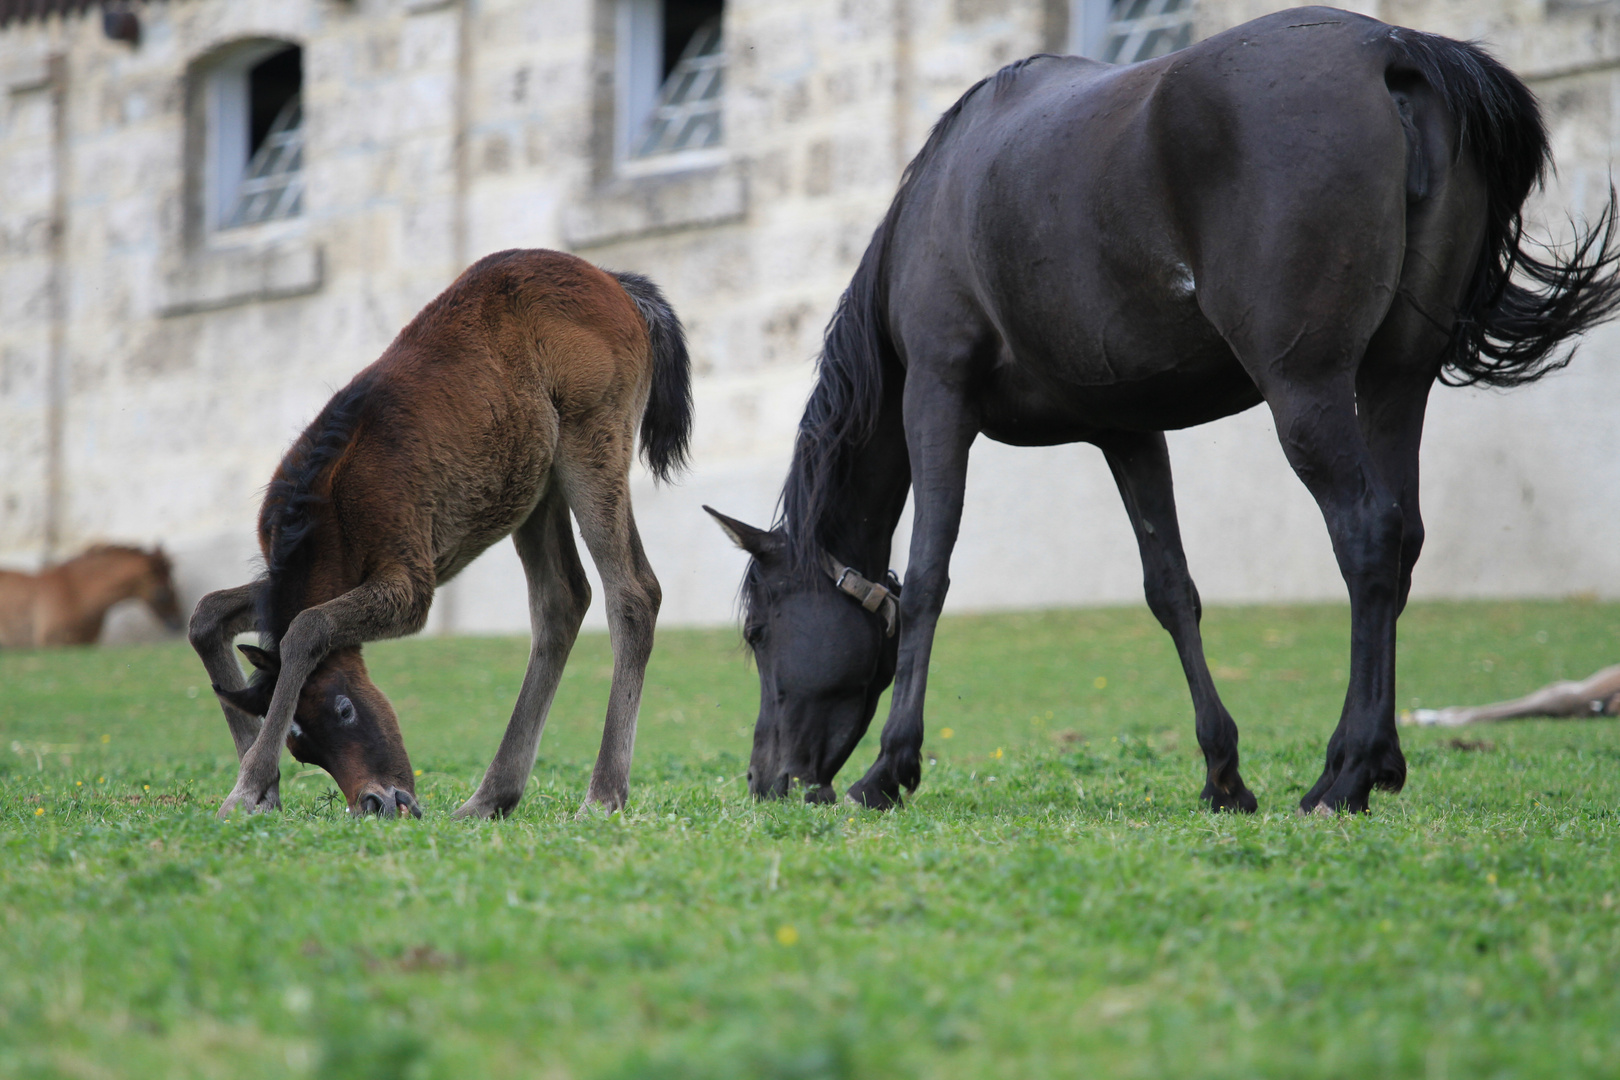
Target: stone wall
178, 365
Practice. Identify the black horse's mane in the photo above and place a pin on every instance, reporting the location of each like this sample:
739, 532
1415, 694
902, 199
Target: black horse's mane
856, 354
293, 505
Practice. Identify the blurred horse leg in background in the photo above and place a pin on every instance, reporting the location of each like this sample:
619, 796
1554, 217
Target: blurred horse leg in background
1596, 695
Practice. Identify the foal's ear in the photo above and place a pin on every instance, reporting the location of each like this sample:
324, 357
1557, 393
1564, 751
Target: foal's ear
267, 662
760, 543
253, 699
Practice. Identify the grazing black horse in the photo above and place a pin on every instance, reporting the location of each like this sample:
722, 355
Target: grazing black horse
1314, 210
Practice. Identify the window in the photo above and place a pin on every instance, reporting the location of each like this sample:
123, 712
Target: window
671, 67
255, 135
1126, 31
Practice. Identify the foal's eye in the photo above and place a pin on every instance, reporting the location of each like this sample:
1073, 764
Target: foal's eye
345, 710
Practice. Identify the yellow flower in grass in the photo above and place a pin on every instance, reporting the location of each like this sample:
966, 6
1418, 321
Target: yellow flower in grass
997, 754
38, 810
946, 733
785, 935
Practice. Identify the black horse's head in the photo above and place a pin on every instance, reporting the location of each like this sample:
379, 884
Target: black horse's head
823, 657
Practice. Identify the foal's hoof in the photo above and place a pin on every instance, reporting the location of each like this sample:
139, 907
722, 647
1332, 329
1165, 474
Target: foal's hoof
388, 803
1240, 801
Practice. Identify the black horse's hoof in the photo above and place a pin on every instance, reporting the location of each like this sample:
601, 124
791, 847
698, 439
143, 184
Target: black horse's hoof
873, 797
821, 796
1241, 801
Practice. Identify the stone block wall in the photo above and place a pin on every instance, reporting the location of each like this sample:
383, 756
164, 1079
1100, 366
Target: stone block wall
171, 368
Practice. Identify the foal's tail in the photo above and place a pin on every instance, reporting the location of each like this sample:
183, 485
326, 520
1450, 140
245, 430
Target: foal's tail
666, 425
1509, 330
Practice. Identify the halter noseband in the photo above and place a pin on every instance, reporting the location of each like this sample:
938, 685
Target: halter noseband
881, 599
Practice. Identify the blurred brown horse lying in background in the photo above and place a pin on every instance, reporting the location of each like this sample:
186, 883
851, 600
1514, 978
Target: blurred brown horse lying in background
67, 603
1595, 695
508, 402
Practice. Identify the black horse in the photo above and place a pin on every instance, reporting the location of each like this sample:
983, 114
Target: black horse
1314, 210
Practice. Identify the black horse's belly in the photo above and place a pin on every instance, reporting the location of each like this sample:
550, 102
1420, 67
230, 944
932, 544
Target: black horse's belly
1020, 410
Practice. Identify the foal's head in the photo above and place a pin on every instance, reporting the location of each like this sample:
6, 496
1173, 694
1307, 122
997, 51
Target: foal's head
342, 724
823, 662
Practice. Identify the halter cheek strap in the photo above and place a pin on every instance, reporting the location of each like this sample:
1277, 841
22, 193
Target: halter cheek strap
881, 599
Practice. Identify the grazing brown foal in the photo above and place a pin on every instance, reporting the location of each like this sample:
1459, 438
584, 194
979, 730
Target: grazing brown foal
67, 603
509, 401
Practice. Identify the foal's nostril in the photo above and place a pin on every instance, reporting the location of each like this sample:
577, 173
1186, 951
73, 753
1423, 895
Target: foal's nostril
407, 801
373, 803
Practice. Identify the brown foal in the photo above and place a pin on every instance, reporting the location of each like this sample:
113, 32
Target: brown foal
67, 603
510, 401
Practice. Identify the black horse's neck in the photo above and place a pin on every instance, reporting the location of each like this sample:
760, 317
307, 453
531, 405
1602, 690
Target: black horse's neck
858, 525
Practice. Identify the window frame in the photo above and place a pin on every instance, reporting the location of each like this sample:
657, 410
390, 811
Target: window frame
638, 87
1092, 23
226, 132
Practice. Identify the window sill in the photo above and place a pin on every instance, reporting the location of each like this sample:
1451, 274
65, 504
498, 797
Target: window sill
211, 279
647, 203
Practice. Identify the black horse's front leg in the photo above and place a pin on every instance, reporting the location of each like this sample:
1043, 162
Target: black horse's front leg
939, 433
1140, 463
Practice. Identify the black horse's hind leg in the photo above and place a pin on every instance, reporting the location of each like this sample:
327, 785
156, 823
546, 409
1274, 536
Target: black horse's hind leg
1392, 392
939, 433
1141, 466
1321, 435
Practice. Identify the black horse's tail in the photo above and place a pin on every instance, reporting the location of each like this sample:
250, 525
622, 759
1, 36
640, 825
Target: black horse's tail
666, 425
1526, 298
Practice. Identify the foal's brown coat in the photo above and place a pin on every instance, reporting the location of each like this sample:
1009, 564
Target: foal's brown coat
66, 604
509, 401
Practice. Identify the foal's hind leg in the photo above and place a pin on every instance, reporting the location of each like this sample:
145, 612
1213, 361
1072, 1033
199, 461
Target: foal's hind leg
1141, 467
558, 597
599, 493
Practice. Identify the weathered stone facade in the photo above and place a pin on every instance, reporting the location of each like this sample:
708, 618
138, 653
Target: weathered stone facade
153, 370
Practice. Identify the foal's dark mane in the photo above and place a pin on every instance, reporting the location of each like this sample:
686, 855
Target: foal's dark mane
293, 506
856, 357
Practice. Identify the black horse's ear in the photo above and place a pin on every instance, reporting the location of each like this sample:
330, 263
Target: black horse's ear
253, 699
760, 543
267, 662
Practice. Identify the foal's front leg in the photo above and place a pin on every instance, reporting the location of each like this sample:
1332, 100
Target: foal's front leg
393, 603
1141, 466
219, 617
939, 433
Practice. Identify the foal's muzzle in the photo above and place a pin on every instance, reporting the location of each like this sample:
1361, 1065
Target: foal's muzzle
387, 802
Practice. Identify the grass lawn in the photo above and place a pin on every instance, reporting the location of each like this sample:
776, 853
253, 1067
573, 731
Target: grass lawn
1051, 903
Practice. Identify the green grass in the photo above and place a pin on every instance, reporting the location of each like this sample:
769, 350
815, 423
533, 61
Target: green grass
1052, 902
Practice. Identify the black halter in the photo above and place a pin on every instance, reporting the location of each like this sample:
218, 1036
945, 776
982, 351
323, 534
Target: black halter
882, 599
